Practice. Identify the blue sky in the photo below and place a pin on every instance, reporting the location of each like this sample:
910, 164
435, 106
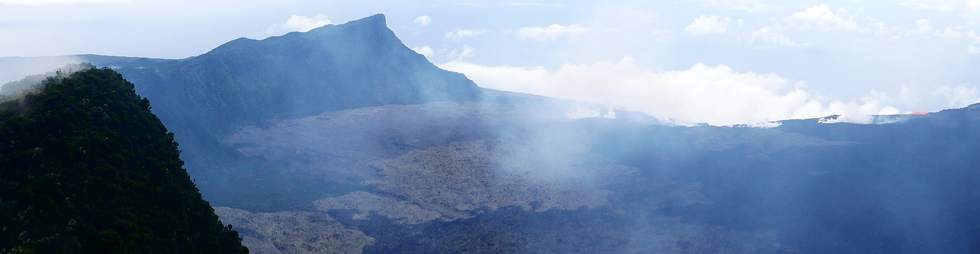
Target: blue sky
715, 61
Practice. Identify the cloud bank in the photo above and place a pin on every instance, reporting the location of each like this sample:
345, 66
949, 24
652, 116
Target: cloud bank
57, 2
717, 95
461, 34
425, 51
299, 23
551, 32
708, 25
422, 21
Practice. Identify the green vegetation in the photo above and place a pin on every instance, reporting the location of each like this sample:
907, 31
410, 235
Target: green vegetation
86, 168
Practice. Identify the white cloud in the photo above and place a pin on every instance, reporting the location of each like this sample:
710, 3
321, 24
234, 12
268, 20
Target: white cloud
958, 33
738, 5
425, 51
58, 2
716, 95
511, 3
299, 23
883, 30
922, 26
461, 54
956, 96
711, 94
817, 18
422, 20
461, 34
772, 37
952, 33
935, 5
551, 32
708, 25
941, 5
917, 99
534, 4
823, 18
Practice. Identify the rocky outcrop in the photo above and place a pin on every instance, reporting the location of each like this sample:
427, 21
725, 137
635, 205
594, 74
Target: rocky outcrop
293, 232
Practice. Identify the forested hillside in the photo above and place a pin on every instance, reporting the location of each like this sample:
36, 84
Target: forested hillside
86, 168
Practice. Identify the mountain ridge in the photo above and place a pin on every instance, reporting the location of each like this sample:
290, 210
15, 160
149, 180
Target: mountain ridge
246, 82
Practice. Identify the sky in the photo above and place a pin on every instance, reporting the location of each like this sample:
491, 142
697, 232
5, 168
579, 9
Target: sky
690, 61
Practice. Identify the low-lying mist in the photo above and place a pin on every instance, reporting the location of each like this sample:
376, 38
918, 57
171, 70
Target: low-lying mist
16, 89
617, 185
16, 68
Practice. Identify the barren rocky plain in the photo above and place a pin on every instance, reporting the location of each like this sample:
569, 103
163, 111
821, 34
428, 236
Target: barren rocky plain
471, 177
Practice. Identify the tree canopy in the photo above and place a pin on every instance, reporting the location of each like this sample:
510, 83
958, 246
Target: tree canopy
85, 167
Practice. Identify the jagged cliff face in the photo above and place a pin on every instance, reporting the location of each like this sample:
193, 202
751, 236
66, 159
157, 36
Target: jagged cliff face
86, 168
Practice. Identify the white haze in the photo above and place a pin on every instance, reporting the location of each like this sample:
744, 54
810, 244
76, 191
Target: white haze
21, 69
717, 95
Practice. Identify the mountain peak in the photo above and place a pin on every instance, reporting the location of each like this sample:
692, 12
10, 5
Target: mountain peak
376, 18
376, 21
355, 64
